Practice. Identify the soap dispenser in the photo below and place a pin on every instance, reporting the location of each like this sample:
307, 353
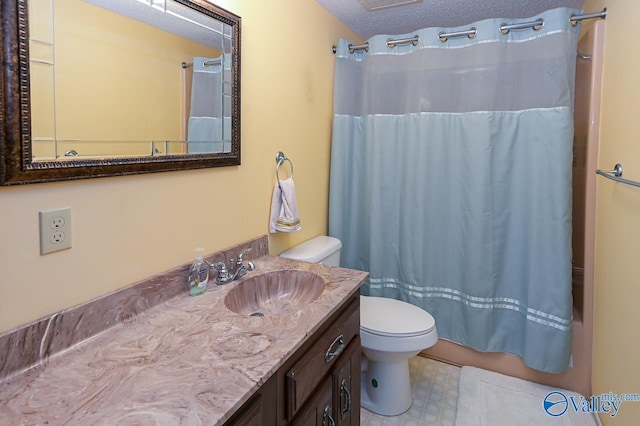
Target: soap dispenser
198, 274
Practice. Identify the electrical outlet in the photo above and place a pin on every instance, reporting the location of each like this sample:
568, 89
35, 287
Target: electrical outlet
55, 230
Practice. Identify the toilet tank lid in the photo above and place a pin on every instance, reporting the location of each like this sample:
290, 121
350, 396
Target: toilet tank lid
314, 250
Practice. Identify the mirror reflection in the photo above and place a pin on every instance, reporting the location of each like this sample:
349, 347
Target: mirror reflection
127, 78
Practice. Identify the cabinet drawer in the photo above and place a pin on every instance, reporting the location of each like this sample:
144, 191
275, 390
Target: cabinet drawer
310, 369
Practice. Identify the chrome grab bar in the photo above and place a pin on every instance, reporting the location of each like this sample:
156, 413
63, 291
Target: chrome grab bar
616, 175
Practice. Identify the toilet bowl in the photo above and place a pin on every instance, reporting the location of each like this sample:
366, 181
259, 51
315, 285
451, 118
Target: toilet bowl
391, 332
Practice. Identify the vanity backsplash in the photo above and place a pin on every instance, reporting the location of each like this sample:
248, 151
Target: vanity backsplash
34, 343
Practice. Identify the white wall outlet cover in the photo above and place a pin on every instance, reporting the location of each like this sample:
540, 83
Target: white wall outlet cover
55, 230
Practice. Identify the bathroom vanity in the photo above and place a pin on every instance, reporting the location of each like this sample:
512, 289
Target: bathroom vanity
319, 384
152, 354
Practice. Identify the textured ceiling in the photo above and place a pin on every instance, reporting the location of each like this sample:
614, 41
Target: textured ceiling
434, 13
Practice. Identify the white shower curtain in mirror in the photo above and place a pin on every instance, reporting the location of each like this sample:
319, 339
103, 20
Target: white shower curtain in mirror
205, 128
451, 180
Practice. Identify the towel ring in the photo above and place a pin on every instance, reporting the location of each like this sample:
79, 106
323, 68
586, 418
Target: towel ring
280, 159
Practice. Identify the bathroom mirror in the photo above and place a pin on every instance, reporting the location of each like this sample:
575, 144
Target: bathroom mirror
94, 88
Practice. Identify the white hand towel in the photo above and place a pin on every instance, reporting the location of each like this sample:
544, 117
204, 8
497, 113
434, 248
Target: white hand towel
284, 208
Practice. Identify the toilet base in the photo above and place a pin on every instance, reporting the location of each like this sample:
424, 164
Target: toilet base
386, 387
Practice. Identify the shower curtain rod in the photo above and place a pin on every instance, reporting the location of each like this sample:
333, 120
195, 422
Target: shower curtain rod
471, 33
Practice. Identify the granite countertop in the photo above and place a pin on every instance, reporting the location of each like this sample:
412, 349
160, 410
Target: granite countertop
187, 360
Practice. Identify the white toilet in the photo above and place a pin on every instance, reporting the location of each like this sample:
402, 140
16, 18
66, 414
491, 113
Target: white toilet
391, 332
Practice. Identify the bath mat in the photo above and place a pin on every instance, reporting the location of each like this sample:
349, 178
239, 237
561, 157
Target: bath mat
486, 398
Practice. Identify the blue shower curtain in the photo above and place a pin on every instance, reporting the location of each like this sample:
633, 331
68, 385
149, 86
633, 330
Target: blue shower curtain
451, 180
206, 114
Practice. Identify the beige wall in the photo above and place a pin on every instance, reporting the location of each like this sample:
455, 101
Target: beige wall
132, 77
128, 228
136, 84
102, 78
616, 352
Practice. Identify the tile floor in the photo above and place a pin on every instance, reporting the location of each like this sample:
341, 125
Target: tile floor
434, 387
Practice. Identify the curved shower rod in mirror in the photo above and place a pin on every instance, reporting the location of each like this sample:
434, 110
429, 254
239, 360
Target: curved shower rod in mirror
113, 98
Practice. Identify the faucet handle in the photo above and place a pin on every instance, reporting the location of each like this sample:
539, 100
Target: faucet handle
249, 266
220, 267
223, 274
242, 254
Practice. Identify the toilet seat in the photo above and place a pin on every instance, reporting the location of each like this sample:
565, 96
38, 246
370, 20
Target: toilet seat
394, 318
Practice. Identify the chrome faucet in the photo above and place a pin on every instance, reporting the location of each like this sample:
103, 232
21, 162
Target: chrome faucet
237, 268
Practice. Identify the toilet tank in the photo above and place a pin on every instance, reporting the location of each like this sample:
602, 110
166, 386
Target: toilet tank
322, 249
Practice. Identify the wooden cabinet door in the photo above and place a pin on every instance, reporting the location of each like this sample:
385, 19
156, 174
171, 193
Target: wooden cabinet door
319, 410
346, 386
